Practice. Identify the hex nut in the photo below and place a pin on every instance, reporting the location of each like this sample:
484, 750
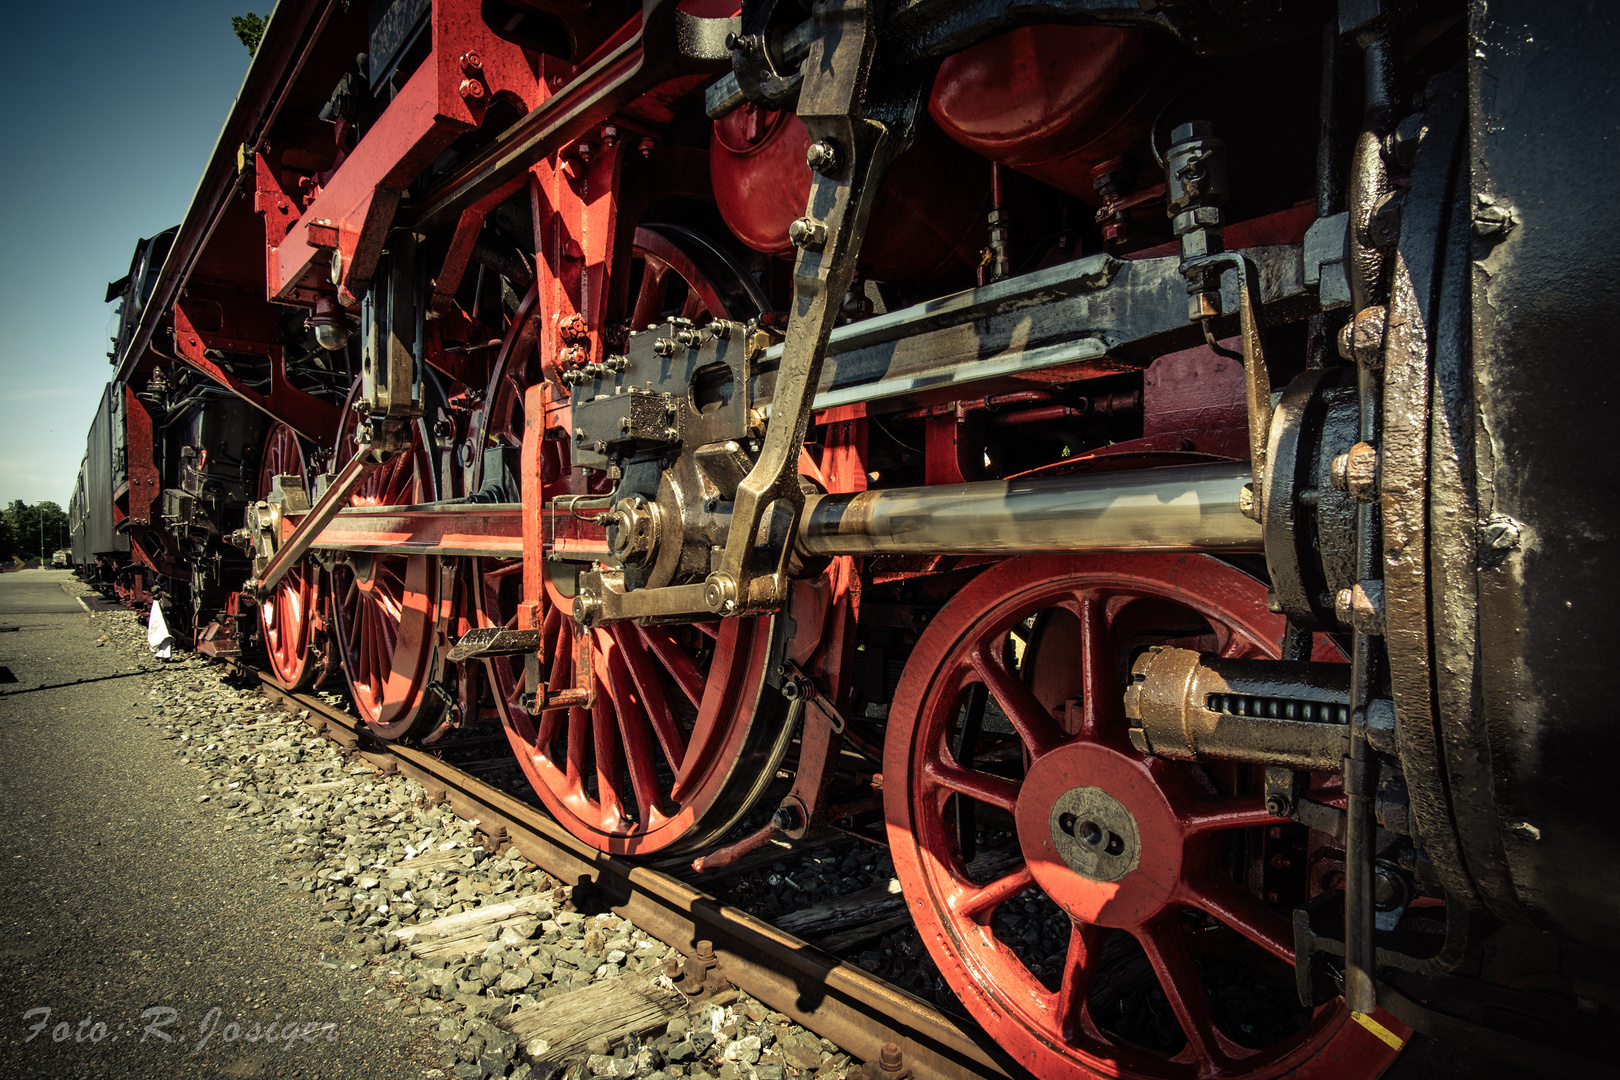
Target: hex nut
1356, 471
808, 234
1361, 607
1362, 339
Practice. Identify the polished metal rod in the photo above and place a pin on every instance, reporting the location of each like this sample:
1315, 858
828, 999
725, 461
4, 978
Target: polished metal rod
1177, 508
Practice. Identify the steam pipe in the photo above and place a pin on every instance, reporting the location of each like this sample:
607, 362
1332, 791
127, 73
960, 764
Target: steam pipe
1193, 508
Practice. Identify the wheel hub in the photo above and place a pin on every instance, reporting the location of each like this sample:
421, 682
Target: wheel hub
1094, 834
1099, 835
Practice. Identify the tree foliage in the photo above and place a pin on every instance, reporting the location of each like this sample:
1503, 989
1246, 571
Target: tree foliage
250, 28
25, 527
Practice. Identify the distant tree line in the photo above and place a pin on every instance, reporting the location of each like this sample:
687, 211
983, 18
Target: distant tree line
24, 528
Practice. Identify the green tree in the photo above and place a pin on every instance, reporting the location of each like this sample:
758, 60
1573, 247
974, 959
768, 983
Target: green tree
250, 28
8, 543
35, 531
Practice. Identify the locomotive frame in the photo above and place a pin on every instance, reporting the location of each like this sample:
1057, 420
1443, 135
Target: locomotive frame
1146, 499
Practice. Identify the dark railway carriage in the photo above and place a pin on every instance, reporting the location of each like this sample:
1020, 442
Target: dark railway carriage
1145, 461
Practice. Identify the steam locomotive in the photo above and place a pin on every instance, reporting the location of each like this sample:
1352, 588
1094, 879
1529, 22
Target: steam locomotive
1144, 459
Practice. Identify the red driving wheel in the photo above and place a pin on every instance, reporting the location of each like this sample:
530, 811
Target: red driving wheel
288, 618
384, 606
683, 736
1009, 715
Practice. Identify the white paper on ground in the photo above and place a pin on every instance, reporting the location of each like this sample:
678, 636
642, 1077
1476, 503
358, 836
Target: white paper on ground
157, 633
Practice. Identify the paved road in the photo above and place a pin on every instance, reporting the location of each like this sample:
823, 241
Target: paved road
36, 592
121, 894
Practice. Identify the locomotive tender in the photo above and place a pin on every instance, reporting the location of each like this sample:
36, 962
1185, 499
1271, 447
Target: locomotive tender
1143, 454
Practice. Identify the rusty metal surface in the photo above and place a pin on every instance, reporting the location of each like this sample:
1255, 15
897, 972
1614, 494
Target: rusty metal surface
834, 999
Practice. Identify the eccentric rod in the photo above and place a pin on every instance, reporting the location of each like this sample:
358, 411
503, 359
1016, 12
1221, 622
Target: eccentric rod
1179, 508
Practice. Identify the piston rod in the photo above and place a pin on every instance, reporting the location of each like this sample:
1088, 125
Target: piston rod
1180, 508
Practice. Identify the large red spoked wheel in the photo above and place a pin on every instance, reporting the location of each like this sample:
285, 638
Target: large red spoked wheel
1010, 714
684, 735
384, 606
288, 618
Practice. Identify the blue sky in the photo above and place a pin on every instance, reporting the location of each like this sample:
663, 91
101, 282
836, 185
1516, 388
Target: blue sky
111, 110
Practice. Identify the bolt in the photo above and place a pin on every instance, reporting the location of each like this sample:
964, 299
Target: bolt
890, 1059
705, 951
610, 136
471, 63
1362, 339
1356, 471
1385, 227
585, 151
823, 157
1361, 607
664, 346
1500, 533
720, 593
1492, 218
587, 608
472, 89
787, 818
646, 148
807, 234
1247, 505
1278, 804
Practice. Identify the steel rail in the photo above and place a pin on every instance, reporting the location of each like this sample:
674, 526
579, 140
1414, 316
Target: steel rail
835, 1000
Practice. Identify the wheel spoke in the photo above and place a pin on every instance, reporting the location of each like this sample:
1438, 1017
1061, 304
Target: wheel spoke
981, 903
1183, 986
634, 731
650, 297
1033, 723
680, 665
1079, 973
579, 730
605, 741
1240, 910
1102, 710
994, 790
667, 728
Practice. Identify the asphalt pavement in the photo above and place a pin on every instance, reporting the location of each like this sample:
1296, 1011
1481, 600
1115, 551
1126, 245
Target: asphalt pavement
35, 592
140, 934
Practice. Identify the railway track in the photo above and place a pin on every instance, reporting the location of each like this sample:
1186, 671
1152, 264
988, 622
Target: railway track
869, 1018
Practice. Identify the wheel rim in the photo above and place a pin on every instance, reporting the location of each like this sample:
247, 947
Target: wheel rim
287, 617
681, 739
384, 606
1135, 854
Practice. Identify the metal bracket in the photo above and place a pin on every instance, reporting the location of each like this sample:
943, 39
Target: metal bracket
769, 499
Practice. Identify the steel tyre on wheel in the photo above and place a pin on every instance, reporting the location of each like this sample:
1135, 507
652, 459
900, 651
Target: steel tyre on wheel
1055, 873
